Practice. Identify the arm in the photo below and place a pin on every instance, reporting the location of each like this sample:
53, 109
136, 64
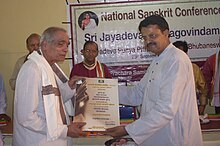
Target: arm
83, 24
170, 91
28, 93
132, 95
66, 91
12, 80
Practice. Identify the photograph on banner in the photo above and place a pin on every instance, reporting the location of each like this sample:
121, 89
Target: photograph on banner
88, 20
120, 43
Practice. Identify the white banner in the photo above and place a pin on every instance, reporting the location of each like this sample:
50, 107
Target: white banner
114, 26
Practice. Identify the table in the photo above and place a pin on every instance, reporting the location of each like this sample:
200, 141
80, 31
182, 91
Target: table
92, 141
210, 137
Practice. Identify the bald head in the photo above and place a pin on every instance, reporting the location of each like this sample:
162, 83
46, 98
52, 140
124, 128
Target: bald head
33, 42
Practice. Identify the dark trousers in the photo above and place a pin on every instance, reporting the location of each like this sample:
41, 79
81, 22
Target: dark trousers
217, 110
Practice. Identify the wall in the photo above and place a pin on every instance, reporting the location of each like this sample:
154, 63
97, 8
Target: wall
18, 19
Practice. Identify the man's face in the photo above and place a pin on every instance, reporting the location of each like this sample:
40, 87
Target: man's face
33, 44
56, 50
155, 40
90, 52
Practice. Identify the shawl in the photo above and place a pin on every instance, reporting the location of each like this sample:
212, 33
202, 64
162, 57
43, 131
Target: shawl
50, 93
99, 68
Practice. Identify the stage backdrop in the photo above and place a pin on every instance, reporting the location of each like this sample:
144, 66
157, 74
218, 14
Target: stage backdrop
114, 26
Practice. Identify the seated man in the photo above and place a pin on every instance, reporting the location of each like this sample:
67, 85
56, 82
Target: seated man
90, 67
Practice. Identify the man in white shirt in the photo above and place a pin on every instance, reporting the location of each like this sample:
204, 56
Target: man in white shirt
169, 114
42, 88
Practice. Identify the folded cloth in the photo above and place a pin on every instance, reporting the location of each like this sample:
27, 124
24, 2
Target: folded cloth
99, 68
51, 95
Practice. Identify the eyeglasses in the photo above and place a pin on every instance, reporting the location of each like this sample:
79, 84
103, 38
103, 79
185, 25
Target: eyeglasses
150, 36
90, 51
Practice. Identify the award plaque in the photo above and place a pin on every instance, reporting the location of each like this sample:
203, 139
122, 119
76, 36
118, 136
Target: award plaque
98, 105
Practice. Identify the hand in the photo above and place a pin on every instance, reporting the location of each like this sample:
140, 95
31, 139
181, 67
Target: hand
80, 97
81, 103
72, 82
81, 89
5, 117
75, 129
115, 132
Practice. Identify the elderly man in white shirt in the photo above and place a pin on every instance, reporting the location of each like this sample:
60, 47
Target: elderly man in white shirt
169, 114
40, 118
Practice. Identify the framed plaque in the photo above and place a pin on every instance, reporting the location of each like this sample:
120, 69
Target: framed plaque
98, 105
